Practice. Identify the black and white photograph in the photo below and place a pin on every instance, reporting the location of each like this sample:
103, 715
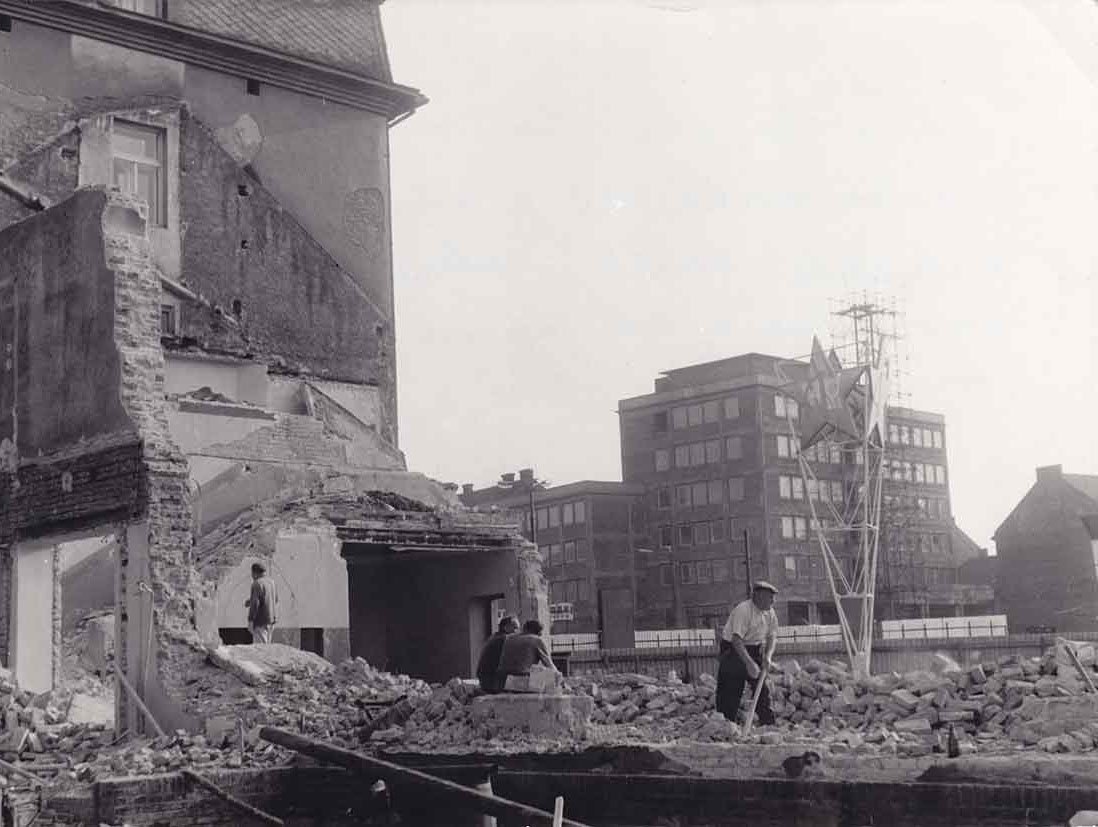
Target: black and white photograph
549, 413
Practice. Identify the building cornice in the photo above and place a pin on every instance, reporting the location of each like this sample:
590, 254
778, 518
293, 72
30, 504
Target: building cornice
220, 54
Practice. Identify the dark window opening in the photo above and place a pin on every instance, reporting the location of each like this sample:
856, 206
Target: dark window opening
5, 23
829, 615
167, 320
252, 86
242, 190
238, 308
798, 613
235, 637
312, 640
243, 244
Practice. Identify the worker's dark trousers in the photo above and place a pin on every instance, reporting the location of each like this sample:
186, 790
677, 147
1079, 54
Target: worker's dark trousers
731, 678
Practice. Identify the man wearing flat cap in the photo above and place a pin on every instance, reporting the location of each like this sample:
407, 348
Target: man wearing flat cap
747, 645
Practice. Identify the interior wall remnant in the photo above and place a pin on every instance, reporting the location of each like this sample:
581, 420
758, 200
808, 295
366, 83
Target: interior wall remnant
35, 644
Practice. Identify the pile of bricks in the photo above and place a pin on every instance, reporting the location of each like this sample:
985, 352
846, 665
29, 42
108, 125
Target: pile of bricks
35, 734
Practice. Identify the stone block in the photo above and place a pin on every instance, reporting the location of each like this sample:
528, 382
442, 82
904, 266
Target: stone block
977, 675
538, 715
919, 726
905, 699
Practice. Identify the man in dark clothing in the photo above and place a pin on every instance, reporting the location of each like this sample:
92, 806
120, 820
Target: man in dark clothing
520, 652
488, 662
261, 605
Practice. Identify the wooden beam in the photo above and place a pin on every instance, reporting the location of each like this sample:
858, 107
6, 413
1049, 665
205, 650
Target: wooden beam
394, 774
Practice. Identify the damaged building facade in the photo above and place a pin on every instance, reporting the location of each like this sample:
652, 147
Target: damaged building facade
196, 315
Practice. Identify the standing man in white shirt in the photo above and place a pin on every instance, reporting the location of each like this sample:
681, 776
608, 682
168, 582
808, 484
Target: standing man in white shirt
747, 645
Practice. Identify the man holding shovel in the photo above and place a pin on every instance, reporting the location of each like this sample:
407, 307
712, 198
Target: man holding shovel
747, 645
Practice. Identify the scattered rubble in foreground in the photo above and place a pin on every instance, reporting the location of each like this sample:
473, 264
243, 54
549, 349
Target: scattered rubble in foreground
1002, 707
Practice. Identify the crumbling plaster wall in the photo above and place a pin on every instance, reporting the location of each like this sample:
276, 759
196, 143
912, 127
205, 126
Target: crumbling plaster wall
326, 164
88, 443
243, 249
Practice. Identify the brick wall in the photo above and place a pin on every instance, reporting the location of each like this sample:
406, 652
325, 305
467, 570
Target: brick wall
174, 583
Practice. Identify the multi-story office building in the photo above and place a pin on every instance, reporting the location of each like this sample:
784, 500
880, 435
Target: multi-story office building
585, 533
725, 502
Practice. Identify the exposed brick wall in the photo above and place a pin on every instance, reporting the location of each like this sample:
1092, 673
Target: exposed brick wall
104, 486
298, 307
174, 582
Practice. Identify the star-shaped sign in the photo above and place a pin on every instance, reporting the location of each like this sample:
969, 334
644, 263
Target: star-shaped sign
825, 398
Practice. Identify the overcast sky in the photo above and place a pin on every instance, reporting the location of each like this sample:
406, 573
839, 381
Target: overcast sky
599, 191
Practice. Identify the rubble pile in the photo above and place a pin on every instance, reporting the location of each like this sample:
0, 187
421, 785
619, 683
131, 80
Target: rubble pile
997, 706
277, 685
36, 734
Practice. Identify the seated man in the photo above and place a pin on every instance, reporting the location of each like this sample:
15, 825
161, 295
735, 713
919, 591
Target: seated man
488, 662
522, 651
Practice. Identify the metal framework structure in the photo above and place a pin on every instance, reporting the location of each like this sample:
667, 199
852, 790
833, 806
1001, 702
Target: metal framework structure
844, 407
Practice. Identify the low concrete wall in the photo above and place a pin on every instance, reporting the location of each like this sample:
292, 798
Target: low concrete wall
888, 655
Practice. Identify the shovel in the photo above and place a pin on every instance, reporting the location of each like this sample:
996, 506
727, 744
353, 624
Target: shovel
750, 720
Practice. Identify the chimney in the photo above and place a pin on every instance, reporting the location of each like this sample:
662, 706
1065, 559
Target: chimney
1050, 472
467, 488
509, 479
526, 475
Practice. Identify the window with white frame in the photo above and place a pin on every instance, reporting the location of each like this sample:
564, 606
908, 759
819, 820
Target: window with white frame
711, 410
735, 489
682, 496
568, 514
678, 418
699, 493
731, 408
779, 405
554, 516
663, 459
569, 551
940, 474
785, 487
733, 447
798, 488
716, 530
697, 453
716, 491
705, 571
686, 573
937, 439
712, 451
138, 159
720, 570
783, 446
581, 550
694, 414
701, 534
790, 568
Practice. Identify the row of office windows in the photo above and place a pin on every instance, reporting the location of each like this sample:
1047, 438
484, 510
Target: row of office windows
701, 493
919, 472
569, 591
919, 575
820, 452
912, 435
701, 413
700, 533
571, 551
918, 544
693, 572
785, 406
935, 508
693, 454
553, 516
793, 488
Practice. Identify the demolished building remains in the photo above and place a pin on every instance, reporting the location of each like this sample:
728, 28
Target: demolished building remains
199, 365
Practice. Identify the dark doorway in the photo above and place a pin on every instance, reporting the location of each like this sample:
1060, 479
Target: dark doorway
312, 640
828, 614
616, 619
235, 637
